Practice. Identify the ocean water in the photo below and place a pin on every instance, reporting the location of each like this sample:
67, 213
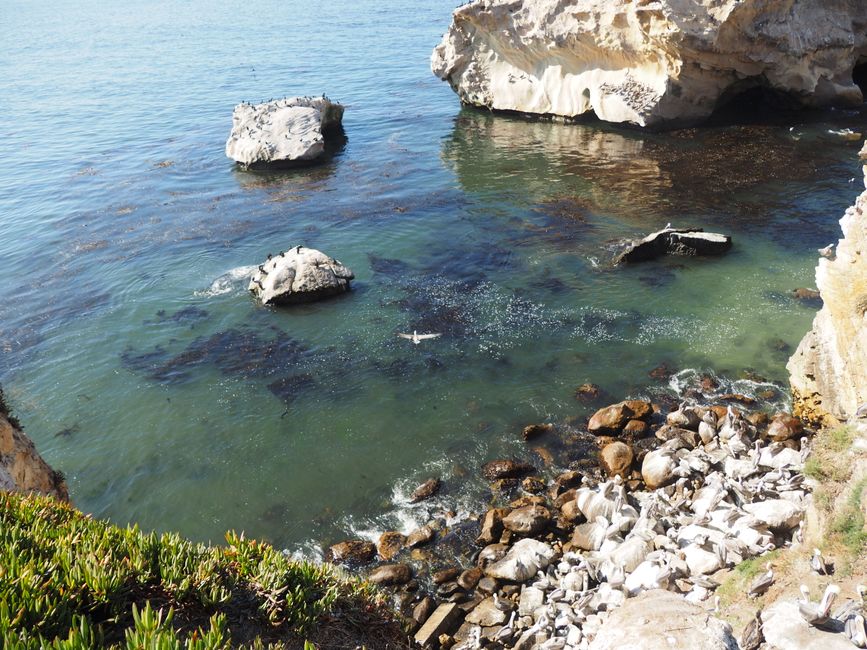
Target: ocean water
141, 367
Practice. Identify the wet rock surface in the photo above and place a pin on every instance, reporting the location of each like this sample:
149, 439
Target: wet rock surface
672, 241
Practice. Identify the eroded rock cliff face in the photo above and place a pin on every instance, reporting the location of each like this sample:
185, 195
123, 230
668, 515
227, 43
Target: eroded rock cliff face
650, 62
22, 469
829, 369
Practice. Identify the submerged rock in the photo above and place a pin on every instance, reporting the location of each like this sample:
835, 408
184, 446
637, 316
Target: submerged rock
426, 490
504, 468
282, 131
671, 241
299, 275
649, 63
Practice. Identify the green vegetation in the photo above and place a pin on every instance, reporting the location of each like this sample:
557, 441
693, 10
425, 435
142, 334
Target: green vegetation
69, 581
849, 521
742, 576
824, 461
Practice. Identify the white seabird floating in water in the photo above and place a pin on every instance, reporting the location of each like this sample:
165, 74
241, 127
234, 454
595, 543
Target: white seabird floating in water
417, 338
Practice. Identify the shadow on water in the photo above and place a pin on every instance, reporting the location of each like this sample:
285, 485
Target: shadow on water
736, 176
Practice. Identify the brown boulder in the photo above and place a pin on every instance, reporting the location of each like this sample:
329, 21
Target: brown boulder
470, 578
426, 490
641, 410
636, 428
616, 459
610, 420
587, 392
444, 575
420, 536
504, 468
566, 481
390, 544
533, 485
390, 574
528, 520
785, 427
354, 551
535, 430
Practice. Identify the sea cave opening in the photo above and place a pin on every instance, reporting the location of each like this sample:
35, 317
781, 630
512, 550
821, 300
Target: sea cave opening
753, 101
859, 76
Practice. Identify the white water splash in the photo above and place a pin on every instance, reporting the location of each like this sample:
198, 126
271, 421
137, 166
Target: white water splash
234, 280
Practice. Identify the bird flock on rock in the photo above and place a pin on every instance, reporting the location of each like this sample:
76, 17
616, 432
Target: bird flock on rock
732, 494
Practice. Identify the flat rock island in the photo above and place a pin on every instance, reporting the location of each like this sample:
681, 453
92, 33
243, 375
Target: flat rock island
283, 131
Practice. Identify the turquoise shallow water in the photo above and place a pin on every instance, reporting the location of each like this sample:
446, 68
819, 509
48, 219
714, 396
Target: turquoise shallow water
143, 370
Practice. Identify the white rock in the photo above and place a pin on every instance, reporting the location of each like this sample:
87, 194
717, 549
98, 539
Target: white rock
648, 63
299, 275
522, 561
284, 130
776, 513
531, 599
785, 629
649, 620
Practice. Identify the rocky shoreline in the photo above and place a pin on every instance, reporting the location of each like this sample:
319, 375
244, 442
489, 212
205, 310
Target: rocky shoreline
678, 498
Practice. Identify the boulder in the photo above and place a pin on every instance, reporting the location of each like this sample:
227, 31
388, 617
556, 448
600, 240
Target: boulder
785, 427
674, 242
657, 469
659, 63
420, 536
390, 544
299, 275
503, 468
785, 629
354, 551
533, 431
470, 578
662, 620
522, 561
444, 620
492, 526
616, 459
776, 514
390, 574
444, 575
426, 490
291, 130
528, 520
609, 421
486, 614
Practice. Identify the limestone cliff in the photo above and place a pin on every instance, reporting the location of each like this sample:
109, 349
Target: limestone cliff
650, 62
829, 369
22, 469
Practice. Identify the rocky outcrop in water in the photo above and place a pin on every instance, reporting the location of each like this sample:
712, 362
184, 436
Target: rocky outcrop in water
299, 275
22, 469
828, 372
291, 130
672, 241
649, 63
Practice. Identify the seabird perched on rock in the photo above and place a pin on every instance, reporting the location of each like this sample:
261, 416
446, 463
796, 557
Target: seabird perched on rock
752, 637
417, 338
820, 565
507, 631
818, 614
827, 252
762, 583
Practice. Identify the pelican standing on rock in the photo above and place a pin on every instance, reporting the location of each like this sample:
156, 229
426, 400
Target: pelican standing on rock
752, 637
417, 338
818, 614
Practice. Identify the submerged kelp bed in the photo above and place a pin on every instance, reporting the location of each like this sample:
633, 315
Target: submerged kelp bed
67, 580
